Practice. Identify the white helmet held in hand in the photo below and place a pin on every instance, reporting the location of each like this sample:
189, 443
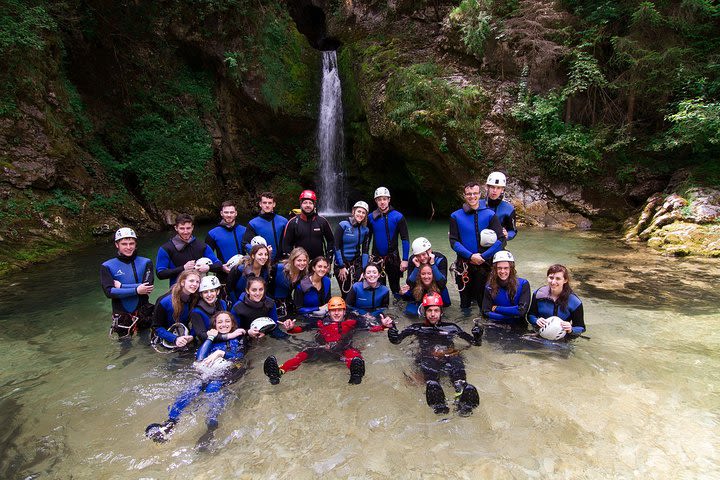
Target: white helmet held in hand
496, 179
263, 324
125, 232
235, 260
382, 192
420, 245
209, 282
361, 204
258, 240
488, 237
203, 261
553, 329
503, 256
178, 329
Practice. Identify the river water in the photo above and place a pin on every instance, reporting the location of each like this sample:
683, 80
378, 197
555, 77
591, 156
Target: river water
637, 400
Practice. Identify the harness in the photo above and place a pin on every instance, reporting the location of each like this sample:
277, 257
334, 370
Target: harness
124, 324
462, 274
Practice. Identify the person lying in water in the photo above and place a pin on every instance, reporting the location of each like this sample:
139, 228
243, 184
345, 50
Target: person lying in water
437, 354
223, 363
334, 340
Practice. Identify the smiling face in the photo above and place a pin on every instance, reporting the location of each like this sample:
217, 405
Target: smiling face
267, 205
359, 214
126, 246
433, 314
301, 262
503, 270
426, 275
424, 257
556, 281
224, 323
228, 214
383, 203
337, 314
372, 274
472, 196
494, 191
255, 291
321, 267
210, 296
261, 256
307, 206
184, 231
191, 283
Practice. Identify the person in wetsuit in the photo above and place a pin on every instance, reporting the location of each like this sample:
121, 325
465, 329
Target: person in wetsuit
208, 305
256, 264
558, 299
334, 340
175, 307
495, 191
227, 238
386, 226
437, 354
313, 291
507, 297
369, 296
309, 230
254, 304
286, 277
128, 280
427, 273
352, 243
269, 225
226, 357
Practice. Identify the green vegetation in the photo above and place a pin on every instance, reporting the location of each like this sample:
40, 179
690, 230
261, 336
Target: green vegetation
473, 19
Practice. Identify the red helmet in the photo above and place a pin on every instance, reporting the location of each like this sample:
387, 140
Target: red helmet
432, 300
308, 195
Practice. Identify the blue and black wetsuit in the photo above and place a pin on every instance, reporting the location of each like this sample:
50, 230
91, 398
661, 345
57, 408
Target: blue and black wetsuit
352, 246
465, 227
281, 290
238, 277
542, 306
385, 229
313, 233
505, 213
131, 272
271, 227
307, 298
174, 254
164, 317
246, 310
201, 315
226, 240
502, 309
363, 299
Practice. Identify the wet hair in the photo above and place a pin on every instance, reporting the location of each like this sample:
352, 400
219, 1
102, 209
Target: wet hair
250, 259
471, 184
213, 320
176, 291
269, 195
289, 269
420, 290
494, 281
315, 261
228, 203
252, 280
183, 218
564, 296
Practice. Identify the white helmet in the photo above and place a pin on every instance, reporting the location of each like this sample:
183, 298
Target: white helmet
125, 232
209, 282
203, 261
178, 329
235, 260
382, 192
503, 256
361, 204
487, 237
258, 240
553, 330
263, 324
496, 179
420, 245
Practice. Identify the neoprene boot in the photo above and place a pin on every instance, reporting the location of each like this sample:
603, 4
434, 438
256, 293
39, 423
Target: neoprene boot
468, 399
271, 369
357, 370
435, 397
160, 432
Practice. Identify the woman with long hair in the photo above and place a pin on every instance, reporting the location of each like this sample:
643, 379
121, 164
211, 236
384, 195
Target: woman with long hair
287, 275
426, 281
506, 298
253, 304
369, 296
352, 246
175, 307
313, 291
557, 299
256, 264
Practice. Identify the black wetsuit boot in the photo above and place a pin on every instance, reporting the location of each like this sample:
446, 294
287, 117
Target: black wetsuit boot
357, 370
467, 397
435, 397
271, 369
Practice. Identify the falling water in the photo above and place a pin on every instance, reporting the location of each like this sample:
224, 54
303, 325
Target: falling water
330, 139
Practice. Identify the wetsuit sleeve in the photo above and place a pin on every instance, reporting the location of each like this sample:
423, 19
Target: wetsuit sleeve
211, 243
365, 250
329, 240
108, 285
160, 324
455, 243
533, 313
402, 335
499, 244
351, 298
578, 320
437, 274
521, 309
404, 239
487, 303
198, 325
247, 238
163, 266
339, 247
204, 350
289, 236
464, 335
510, 225
413, 275
442, 265
298, 297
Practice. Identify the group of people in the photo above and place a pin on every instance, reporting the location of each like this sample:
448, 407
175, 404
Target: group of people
272, 277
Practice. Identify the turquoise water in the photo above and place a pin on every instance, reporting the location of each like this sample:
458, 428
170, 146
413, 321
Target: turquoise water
637, 400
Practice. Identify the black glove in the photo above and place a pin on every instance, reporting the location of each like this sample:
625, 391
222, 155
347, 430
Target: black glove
477, 332
393, 334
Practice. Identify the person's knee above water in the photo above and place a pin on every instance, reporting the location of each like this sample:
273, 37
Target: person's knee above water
128, 280
475, 235
557, 299
334, 339
369, 296
427, 273
226, 238
268, 225
352, 244
313, 291
437, 354
494, 200
256, 264
387, 225
309, 230
174, 308
180, 253
507, 297
286, 277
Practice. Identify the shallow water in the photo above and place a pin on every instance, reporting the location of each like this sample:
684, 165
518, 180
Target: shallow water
637, 400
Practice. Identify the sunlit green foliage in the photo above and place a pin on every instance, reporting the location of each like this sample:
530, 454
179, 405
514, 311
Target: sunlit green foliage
472, 18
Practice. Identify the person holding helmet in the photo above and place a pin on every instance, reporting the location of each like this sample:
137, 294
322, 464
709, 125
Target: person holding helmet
495, 189
208, 305
507, 297
476, 236
180, 252
309, 230
423, 255
437, 354
174, 308
334, 340
127, 281
268, 225
386, 225
557, 299
352, 245
314, 290
226, 238
254, 304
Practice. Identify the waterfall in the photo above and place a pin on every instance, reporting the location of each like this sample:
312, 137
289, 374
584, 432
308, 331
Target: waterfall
331, 140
